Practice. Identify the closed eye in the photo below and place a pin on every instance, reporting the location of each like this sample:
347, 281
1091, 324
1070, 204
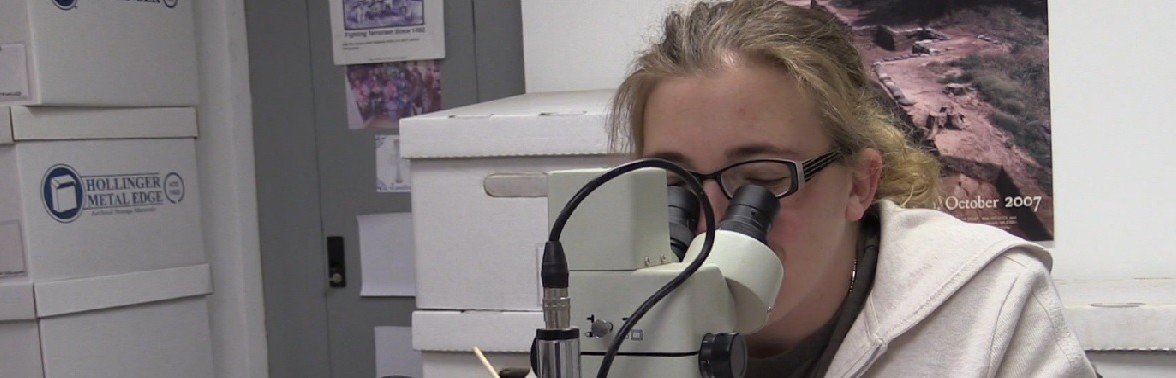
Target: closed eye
768, 181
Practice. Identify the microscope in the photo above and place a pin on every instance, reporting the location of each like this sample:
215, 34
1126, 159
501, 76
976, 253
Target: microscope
628, 293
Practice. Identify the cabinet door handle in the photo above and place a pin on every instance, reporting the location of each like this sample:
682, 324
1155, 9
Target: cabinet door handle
336, 268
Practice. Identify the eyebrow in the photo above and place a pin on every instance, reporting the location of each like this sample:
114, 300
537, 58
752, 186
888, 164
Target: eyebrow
750, 150
672, 156
736, 154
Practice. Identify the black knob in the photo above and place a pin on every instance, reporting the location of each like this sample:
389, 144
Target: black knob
723, 355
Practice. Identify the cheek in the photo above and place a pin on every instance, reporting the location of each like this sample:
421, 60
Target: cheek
793, 234
806, 232
805, 239
806, 224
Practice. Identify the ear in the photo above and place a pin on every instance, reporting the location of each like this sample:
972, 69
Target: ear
867, 171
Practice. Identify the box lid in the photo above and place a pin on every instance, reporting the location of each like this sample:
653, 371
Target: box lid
1098, 312
58, 123
95, 293
461, 331
534, 124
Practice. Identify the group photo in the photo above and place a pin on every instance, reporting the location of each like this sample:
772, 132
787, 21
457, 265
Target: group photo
383, 93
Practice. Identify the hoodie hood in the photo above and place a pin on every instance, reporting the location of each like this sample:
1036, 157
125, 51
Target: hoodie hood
924, 257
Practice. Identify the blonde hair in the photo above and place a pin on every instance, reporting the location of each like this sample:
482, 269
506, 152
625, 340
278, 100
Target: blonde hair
809, 44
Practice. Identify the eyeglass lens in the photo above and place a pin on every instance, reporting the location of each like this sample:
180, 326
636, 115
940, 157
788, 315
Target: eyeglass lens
777, 176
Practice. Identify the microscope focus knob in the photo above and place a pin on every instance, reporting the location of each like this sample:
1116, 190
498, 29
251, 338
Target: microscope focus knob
723, 355
601, 327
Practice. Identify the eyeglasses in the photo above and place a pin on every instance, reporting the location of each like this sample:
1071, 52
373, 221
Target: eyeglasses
780, 176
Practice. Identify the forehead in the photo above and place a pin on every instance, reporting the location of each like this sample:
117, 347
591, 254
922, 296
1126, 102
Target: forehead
746, 111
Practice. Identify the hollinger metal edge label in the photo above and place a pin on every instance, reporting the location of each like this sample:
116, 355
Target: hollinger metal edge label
67, 195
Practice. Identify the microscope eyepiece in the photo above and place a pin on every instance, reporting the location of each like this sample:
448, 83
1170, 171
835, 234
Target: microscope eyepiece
751, 211
683, 207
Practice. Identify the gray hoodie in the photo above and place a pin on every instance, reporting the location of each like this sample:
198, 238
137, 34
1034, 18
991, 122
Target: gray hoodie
953, 299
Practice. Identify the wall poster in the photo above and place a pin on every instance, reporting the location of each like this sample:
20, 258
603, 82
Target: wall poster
970, 79
373, 31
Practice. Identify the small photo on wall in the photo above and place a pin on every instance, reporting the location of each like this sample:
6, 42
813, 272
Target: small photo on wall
380, 94
391, 169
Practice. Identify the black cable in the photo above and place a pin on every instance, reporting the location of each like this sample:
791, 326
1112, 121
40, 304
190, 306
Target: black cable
708, 214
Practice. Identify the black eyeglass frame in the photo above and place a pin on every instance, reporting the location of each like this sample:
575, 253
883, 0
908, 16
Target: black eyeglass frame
805, 171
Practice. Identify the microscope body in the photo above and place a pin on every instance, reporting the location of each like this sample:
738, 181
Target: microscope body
666, 341
618, 253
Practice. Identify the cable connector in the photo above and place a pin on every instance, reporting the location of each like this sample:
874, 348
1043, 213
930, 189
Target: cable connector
557, 307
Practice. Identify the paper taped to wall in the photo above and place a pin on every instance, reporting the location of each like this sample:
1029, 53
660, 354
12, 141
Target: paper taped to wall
392, 174
386, 255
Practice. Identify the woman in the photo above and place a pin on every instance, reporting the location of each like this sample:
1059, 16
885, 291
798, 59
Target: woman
751, 91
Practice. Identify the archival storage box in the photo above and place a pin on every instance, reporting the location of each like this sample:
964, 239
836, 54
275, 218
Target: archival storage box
479, 192
101, 244
147, 324
98, 53
77, 208
446, 340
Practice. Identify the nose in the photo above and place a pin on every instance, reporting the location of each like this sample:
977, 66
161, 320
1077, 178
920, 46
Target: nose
718, 202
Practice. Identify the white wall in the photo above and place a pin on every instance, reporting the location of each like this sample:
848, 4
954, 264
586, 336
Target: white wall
1113, 139
225, 153
1112, 78
579, 45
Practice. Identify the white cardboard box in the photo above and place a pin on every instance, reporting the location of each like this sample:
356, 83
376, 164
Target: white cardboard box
143, 324
1122, 315
1126, 325
479, 192
102, 263
446, 340
98, 53
96, 207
